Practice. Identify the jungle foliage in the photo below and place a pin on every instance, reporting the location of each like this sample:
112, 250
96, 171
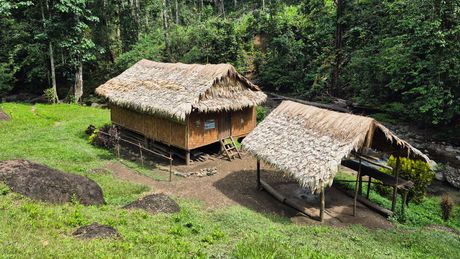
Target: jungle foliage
401, 57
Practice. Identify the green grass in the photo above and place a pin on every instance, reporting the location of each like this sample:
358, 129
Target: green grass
54, 136
426, 213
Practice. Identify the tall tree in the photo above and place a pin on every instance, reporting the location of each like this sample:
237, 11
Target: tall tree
339, 27
177, 11
166, 28
54, 95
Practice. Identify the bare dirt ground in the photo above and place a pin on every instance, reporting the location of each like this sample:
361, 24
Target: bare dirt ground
4, 116
235, 184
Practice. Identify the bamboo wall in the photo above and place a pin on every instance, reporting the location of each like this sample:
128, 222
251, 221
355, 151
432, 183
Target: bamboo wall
186, 136
159, 129
242, 123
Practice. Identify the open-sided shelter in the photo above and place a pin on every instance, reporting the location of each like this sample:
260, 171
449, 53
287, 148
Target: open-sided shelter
309, 143
186, 106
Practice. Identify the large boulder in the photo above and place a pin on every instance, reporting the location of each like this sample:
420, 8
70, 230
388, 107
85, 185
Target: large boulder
452, 176
155, 203
96, 230
47, 184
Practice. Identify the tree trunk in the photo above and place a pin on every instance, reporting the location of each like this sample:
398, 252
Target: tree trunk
222, 8
235, 3
263, 4
338, 46
53, 73
51, 55
165, 28
78, 83
201, 9
177, 11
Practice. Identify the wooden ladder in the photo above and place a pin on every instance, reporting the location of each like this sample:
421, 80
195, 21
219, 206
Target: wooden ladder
228, 144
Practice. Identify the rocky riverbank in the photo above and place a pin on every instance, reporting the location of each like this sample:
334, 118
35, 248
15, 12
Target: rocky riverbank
445, 155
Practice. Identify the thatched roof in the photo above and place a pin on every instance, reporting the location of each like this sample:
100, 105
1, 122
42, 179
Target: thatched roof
175, 89
309, 143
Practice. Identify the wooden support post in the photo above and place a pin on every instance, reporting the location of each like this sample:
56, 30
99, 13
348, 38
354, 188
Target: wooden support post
170, 166
118, 147
403, 205
258, 175
356, 187
146, 142
395, 188
368, 187
142, 156
322, 201
187, 157
360, 188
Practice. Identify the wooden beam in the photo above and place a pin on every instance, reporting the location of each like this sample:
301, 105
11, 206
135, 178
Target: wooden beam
382, 211
319, 105
285, 200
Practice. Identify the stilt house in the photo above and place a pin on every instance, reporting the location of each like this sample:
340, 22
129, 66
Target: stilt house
183, 106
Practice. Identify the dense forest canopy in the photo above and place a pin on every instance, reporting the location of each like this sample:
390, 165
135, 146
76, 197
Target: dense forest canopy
400, 56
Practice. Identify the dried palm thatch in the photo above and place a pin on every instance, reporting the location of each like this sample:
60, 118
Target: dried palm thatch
309, 143
175, 89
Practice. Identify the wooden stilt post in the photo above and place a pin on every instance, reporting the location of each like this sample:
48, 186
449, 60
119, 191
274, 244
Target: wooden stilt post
360, 188
142, 157
395, 188
259, 187
356, 187
368, 187
170, 166
118, 147
322, 201
187, 157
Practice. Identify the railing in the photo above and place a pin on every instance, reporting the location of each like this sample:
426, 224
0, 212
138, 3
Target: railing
141, 148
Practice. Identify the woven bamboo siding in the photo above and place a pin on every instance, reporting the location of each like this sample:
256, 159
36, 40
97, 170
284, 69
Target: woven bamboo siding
158, 129
198, 136
243, 122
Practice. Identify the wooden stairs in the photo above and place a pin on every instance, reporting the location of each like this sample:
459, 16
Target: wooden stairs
229, 146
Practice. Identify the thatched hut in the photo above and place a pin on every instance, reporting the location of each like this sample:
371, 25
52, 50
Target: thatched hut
181, 105
309, 143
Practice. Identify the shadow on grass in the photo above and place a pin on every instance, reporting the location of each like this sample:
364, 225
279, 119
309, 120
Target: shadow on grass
241, 187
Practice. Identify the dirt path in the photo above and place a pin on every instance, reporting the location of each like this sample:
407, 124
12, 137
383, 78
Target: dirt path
235, 184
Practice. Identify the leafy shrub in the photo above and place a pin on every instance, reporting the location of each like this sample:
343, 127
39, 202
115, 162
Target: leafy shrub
417, 171
105, 136
6, 78
4, 189
50, 95
261, 113
447, 205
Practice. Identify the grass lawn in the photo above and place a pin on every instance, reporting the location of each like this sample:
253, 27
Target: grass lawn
54, 135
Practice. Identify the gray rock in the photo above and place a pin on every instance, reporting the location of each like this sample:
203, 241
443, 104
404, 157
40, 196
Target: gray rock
440, 176
96, 230
452, 176
43, 183
451, 149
